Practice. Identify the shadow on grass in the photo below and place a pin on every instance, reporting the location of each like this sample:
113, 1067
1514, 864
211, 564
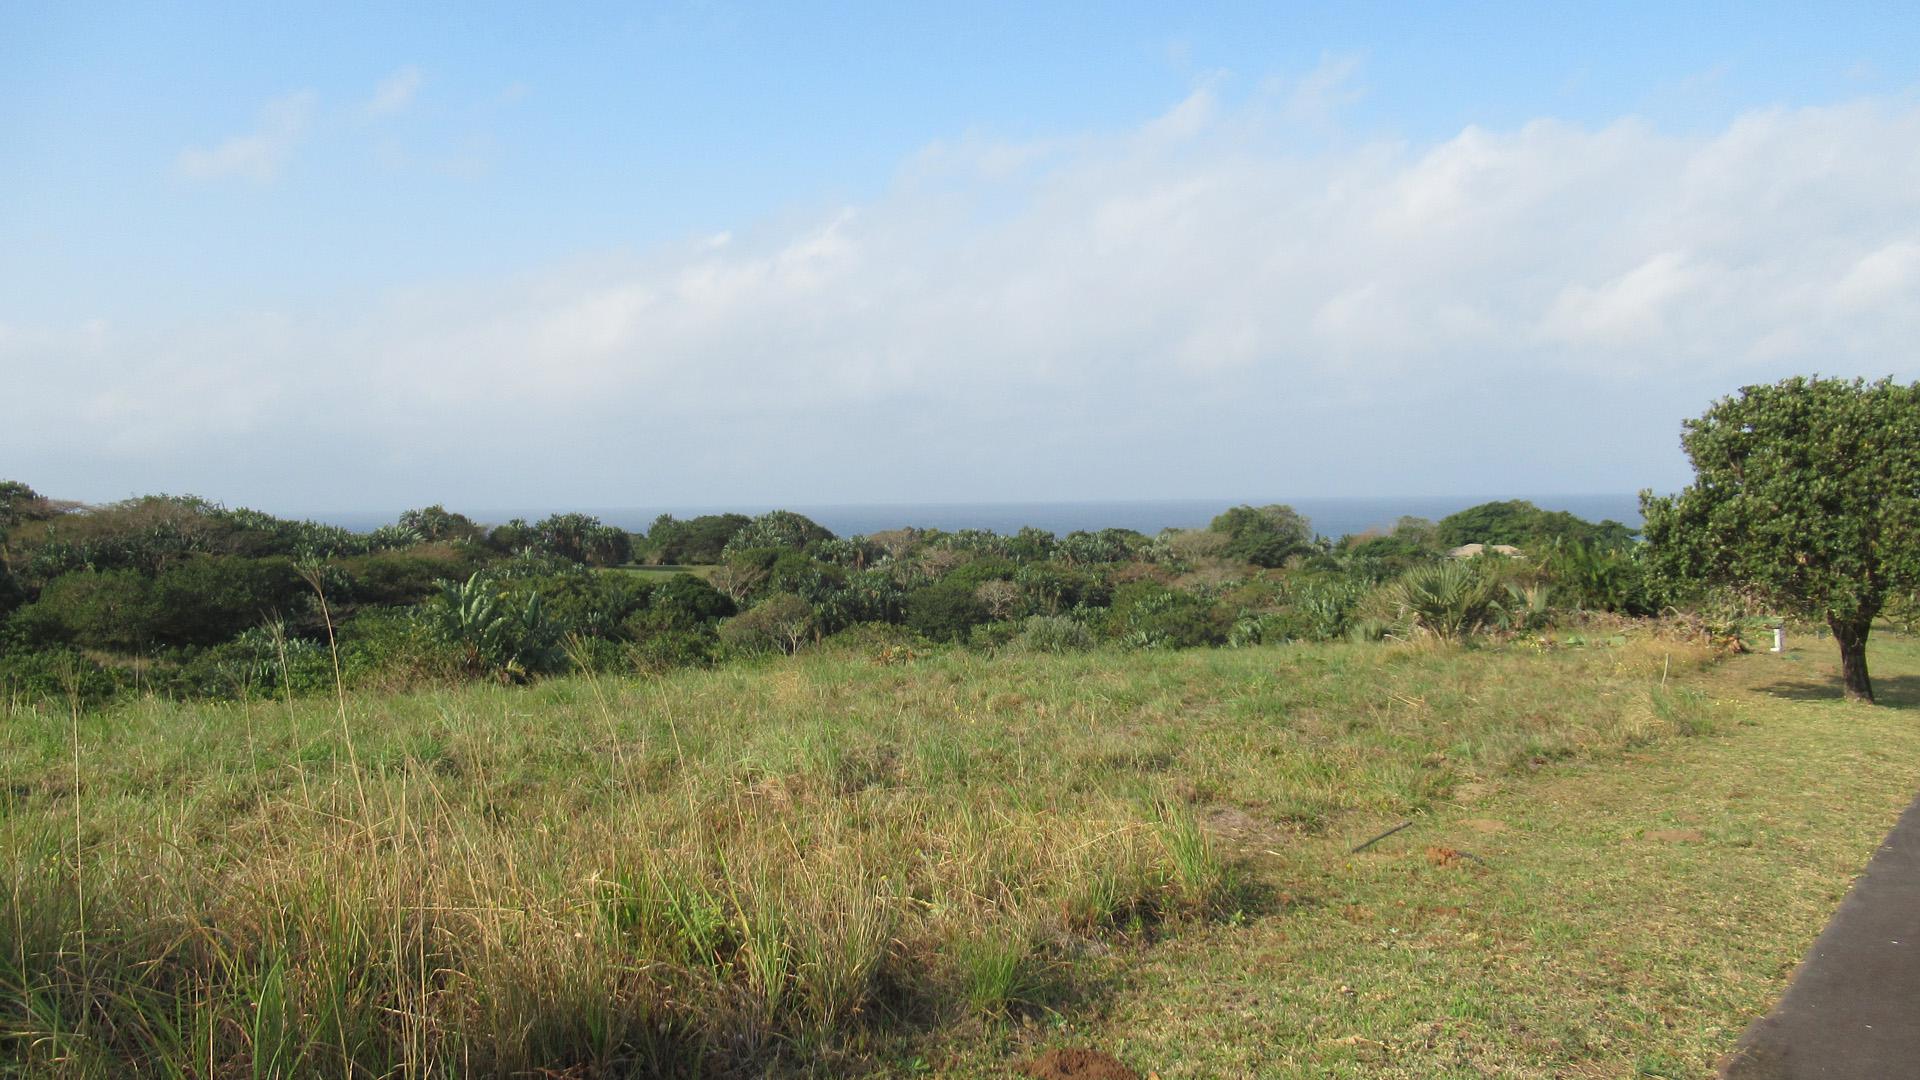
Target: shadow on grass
1890, 691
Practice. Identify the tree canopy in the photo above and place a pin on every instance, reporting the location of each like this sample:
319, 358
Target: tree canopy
1522, 524
1266, 535
1807, 492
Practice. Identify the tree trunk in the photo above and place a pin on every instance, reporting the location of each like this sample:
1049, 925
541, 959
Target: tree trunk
1852, 637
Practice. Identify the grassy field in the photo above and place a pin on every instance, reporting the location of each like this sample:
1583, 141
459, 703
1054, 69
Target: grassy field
834, 866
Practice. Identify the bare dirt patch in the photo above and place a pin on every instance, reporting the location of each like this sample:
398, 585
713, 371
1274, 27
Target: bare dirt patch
1677, 836
1244, 833
1077, 1063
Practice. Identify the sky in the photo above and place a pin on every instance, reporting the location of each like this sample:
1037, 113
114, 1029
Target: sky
356, 257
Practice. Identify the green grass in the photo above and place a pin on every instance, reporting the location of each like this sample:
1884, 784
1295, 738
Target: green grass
829, 865
661, 573
1632, 914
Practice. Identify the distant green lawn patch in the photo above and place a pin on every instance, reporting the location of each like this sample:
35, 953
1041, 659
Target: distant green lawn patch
703, 572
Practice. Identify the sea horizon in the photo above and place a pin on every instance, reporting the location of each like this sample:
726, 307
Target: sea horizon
1331, 516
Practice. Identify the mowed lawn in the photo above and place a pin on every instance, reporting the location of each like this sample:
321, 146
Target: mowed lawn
1626, 916
835, 866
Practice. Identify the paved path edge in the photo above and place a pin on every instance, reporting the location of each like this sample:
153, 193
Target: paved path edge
1852, 1009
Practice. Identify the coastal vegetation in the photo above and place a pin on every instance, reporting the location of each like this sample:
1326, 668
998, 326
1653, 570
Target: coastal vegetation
182, 598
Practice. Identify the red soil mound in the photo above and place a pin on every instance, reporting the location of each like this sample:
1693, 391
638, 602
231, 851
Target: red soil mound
1077, 1064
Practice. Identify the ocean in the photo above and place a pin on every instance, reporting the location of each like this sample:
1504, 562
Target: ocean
1331, 517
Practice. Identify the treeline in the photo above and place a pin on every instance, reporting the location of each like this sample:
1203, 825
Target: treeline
180, 596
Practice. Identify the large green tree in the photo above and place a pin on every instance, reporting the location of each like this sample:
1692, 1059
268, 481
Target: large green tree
1807, 491
1266, 535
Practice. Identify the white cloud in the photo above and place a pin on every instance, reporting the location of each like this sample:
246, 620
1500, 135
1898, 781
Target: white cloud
1198, 306
1334, 85
395, 92
1630, 310
258, 155
1889, 275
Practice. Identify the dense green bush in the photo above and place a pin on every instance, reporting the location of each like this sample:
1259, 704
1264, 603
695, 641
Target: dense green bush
1054, 634
437, 524
1053, 587
210, 598
946, 610
1264, 536
491, 635
674, 647
95, 609
1524, 525
1598, 578
878, 639
407, 575
1147, 614
388, 647
982, 569
257, 663
780, 623
684, 602
1318, 609
12, 593
697, 540
1450, 599
781, 529
60, 675
578, 601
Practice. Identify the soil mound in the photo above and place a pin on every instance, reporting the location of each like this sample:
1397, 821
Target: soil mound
1077, 1064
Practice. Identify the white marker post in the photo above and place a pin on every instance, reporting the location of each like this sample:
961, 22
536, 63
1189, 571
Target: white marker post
1779, 639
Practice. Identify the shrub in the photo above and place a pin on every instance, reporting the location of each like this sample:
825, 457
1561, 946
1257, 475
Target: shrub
391, 647
780, 623
1321, 610
991, 636
684, 601
1000, 597
582, 602
782, 529
12, 593
873, 638
210, 598
946, 610
1054, 634
1053, 587
58, 676
261, 661
1264, 536
697, 540
1450, 600
1149, 615
982, 569
405, 576
491, 636
582, 538
437, 523
666, 649
99, 609
1596, 578
1523, 524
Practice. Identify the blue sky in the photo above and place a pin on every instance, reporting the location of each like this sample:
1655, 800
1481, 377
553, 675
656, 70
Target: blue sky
346, 256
